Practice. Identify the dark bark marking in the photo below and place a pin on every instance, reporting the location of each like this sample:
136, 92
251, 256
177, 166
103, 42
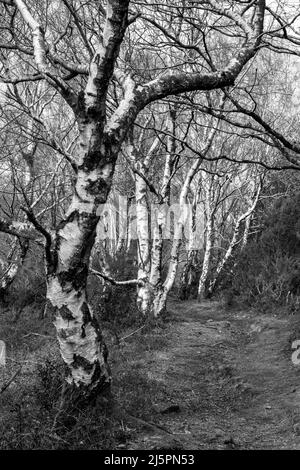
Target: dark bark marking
80, 361
65, 313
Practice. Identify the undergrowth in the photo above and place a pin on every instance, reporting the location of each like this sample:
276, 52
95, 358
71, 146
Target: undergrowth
31, 406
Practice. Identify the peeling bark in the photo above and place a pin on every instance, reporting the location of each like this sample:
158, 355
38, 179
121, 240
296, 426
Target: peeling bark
81, 343
144, 237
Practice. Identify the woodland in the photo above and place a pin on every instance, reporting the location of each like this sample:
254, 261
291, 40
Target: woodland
149, 224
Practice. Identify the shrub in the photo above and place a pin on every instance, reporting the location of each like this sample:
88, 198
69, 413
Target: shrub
29, 286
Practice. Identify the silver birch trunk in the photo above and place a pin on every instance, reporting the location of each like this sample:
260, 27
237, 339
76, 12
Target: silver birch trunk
159, 305
187, 277
161, 301
143, 237
233, 243
13, 264
81, 343
208, 242
123, 210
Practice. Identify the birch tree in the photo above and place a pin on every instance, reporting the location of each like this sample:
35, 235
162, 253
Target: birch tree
236, 238
85, 82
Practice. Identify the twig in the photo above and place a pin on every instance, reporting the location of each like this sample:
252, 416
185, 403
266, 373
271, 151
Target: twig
150, 425
5, 386
131, 282
135, 331
19, 361
38, 334
60, 407
156, 427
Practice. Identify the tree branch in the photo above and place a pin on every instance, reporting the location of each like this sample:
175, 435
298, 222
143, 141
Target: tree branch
31, 217
40, 54
132, 282
173, 83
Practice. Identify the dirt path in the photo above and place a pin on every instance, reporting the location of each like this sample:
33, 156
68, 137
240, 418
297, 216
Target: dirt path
230, 379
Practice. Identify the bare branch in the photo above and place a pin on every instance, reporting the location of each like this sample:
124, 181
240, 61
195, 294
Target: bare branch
132, 282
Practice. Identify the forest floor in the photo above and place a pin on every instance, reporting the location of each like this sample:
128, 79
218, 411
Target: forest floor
230, 381
206, 378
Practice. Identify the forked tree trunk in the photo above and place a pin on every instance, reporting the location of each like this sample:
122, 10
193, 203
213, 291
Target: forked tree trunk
143, 219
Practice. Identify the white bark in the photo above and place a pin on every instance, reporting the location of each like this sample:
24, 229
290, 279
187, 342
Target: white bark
208, 241
123, 212
144, 290
163, 206
144, 239
193, 244
235, 240
179, 228
81, 343
246, 231
68, 250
